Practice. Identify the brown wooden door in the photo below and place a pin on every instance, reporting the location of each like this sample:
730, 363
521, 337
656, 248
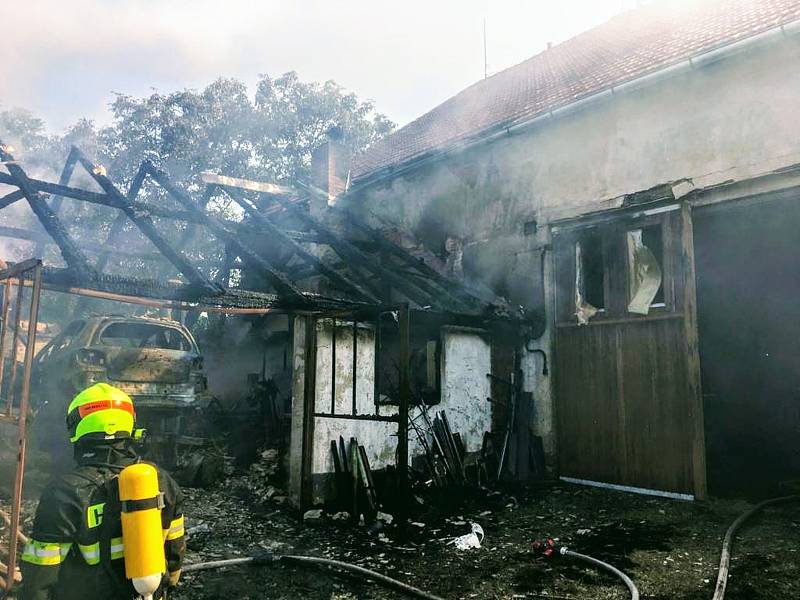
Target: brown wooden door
628, 404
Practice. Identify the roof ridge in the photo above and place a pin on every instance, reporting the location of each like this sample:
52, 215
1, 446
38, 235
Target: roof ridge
628, 45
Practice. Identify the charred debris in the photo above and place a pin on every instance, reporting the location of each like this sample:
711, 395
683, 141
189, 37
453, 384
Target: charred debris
368, 430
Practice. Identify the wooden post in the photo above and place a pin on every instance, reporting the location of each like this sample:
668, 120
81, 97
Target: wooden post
694, 391
309, 407
405, 401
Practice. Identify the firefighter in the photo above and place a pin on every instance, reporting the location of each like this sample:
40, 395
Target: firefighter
75, 549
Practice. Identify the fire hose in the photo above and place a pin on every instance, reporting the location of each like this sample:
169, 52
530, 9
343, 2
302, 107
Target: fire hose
727, 543
265, 558
549, 549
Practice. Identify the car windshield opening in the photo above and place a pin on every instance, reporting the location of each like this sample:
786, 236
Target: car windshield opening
144, 335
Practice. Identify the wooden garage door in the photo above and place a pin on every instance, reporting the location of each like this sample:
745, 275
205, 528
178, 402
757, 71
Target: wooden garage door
628, 393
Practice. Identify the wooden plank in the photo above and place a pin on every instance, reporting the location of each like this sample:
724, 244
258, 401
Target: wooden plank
623, 411
694, 386
309, 401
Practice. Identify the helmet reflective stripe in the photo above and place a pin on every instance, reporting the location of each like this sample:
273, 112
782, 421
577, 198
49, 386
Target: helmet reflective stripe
101, 411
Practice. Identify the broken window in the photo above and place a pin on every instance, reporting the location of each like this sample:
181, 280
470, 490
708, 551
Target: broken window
590, 296
424, 368
144, 335
645, 257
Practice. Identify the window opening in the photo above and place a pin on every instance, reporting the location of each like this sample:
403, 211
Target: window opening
589, 277
645, 281
144, 335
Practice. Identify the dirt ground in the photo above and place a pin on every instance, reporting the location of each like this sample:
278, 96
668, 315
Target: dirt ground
670, 548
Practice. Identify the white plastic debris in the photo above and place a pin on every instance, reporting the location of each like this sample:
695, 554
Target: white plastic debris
474, 539
312, 515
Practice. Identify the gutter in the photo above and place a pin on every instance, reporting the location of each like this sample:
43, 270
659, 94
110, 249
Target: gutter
494, 132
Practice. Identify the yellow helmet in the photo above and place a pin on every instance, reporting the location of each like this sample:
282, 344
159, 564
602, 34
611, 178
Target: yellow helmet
100, 412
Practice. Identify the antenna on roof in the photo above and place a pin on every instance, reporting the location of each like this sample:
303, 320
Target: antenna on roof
485, 62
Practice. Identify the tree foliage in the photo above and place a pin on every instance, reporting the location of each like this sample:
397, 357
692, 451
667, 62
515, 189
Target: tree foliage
267, 136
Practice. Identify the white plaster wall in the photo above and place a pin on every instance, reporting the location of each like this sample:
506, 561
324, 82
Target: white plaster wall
379, 439
466, 360
729, 120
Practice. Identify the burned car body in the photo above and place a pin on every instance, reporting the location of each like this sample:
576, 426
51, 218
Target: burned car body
155, 361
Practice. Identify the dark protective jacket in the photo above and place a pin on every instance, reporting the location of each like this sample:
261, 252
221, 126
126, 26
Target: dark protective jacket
75, 550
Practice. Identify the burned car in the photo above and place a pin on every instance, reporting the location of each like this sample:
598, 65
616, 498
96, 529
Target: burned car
155, 361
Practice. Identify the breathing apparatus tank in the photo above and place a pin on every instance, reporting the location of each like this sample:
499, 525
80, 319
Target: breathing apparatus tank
141, 503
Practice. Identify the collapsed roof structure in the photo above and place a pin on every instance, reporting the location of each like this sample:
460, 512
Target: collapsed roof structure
293, 259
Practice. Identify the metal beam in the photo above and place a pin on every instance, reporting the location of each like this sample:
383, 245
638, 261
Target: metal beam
51, 223
145, 224
281, 284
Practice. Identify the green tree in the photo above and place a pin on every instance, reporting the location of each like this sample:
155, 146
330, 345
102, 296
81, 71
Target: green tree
267, 136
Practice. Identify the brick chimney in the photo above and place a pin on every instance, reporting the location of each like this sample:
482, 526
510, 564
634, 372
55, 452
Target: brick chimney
330, 167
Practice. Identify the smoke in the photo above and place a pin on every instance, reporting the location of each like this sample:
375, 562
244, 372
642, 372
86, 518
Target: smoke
92, 47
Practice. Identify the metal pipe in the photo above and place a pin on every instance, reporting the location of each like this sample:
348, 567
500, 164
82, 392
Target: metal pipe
176, 304
33, 318
405, 400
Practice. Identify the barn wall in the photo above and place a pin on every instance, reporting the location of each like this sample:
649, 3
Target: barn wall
466, 360
731, 120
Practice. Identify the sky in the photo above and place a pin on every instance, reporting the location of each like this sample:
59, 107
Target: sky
64, 59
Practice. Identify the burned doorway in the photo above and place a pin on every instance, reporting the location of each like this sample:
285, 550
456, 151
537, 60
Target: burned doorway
627, 394
748, 289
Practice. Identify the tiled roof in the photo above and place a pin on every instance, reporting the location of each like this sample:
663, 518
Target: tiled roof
628, 46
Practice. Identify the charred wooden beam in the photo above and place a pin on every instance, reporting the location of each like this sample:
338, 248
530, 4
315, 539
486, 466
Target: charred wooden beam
333, 276
281, 284
36, 236
433, 283
357, 259
66, 175
51, 223
9, 199
22, 234
145, 224
451, 288
101, 199
118, 226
